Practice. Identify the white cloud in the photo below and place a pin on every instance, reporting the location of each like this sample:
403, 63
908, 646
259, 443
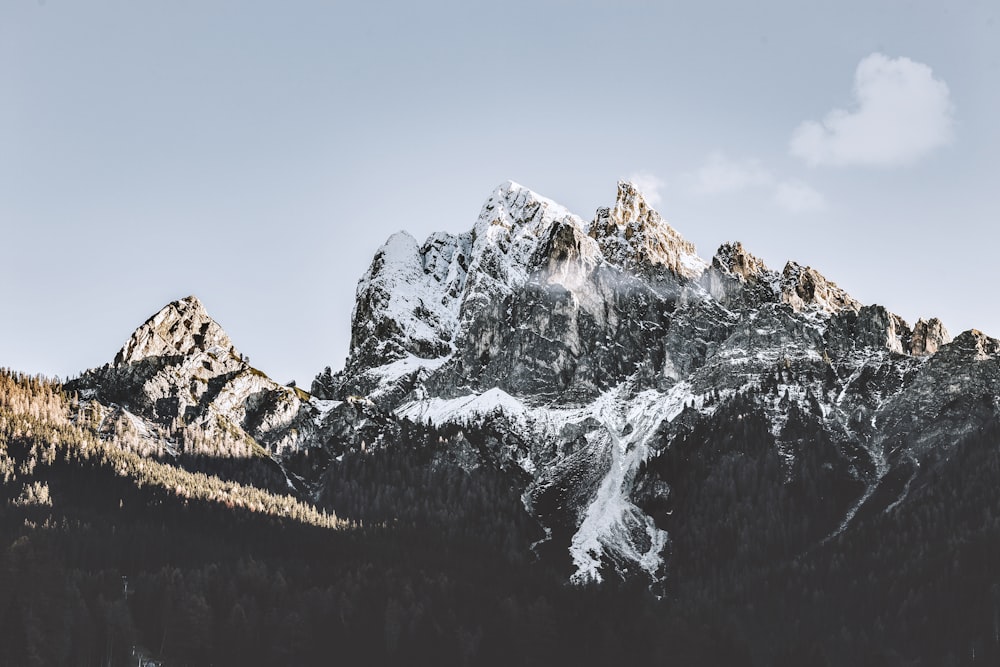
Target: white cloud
902, 113
797, 197
649, 185
721, 175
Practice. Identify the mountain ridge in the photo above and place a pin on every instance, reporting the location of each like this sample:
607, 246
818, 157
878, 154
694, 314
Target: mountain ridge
576, 348
730, 463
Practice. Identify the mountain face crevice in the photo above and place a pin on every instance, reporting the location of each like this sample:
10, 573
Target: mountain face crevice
603, 366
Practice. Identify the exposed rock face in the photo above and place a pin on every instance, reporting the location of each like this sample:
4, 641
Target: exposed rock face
732, 259
869, 327
955, 391
181, 372
929, 336
737, 278
582, 347
180, 328
568, 257
577, 357
634, 237
802, 286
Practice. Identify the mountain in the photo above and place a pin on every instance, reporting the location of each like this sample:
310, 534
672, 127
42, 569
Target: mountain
582, 351
744, 456
576, 354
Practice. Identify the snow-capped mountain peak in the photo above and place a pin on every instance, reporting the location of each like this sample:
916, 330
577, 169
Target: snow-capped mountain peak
582, 351
576, 359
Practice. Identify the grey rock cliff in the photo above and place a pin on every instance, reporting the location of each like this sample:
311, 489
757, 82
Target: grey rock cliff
181, 373
577, 355
585, 344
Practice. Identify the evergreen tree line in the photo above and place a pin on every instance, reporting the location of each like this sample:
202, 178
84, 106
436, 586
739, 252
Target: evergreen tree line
426, 561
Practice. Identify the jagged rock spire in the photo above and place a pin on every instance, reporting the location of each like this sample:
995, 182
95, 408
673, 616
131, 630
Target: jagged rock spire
179, 329
735, 260
632, 235
928, 336
803, 286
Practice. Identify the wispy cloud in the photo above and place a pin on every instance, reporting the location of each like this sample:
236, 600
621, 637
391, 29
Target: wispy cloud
722, 174
798, 197
649, 185
902, 113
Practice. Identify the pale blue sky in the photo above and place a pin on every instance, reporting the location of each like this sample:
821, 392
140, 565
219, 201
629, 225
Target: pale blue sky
257, 153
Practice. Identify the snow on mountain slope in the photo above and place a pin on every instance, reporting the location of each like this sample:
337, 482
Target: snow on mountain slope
587, 341
407, 302
619, 427
415, 300
512, 224
612, 527
574, 356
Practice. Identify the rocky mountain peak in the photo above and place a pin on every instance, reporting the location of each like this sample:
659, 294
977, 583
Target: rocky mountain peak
513, 211
974, 344
632, 235
181, 328
928, 336
738, 279
630, 206
513, 224
179, 379
735, 260
802, 287
406, 308
416, 301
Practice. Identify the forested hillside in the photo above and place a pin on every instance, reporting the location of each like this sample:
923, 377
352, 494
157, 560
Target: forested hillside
425, 562
434, 568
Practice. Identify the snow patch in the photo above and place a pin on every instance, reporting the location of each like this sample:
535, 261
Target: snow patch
464, 409
612, 525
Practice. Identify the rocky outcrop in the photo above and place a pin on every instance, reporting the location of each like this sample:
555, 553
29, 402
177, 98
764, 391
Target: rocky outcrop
868, 327
802, 287
181, 373
970, 346
585, 345
738, 279
568, 257
633, 236
733, 260
955, 392
928, 336
179, 329
574, 355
